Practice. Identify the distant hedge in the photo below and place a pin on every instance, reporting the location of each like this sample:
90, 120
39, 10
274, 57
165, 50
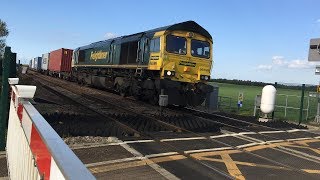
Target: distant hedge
255, 83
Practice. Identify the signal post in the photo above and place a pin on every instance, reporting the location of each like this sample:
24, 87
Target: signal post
8, 70
314, 56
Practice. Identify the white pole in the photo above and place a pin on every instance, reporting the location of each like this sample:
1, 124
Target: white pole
285, 108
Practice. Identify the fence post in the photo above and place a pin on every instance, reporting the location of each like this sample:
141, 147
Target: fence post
285, 108
301, 103
4, 97
13, 65
272, 116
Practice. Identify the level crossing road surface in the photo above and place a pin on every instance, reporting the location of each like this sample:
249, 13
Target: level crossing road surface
290, 154
283, 154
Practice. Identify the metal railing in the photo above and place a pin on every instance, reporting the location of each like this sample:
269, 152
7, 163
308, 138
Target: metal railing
34, 149
285, 105
224, 103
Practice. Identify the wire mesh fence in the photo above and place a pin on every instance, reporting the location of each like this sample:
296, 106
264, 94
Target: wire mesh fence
288, 100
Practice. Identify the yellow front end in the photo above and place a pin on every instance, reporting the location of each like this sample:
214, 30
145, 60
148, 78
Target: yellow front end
183, 56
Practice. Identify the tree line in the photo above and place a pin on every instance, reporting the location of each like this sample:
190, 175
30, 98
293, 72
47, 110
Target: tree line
4, 32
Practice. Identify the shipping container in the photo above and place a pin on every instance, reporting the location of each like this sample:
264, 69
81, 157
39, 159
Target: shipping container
30, 64
45, 62
37, 63
60, 60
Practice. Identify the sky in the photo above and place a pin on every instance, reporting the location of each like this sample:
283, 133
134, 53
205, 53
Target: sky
262, 40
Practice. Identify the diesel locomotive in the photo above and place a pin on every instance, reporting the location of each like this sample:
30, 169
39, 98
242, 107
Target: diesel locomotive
175, 60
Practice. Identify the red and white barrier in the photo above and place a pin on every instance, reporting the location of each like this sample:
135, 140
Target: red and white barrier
34, 149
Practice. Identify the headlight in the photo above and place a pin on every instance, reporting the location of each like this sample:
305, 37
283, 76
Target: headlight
169, 73
204, 77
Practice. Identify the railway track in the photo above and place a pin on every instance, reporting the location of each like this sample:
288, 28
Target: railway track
182, 124
133, 117
191, 121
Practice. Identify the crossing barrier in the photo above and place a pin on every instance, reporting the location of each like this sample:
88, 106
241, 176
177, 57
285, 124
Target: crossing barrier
34, 150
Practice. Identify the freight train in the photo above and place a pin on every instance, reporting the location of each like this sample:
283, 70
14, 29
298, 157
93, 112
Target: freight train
175, 60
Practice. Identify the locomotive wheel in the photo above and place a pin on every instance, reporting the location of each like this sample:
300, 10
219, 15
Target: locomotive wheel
121, 91
83, 82
137, 97
154, 98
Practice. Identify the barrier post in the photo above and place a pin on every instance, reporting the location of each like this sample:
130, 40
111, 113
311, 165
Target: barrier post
4, 96
13, 65
301, 102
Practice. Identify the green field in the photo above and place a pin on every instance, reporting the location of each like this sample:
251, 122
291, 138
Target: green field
228, 97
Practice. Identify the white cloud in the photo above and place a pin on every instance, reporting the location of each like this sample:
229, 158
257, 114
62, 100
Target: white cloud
264, 67
110, 35
300, 64
318, 21
279, 61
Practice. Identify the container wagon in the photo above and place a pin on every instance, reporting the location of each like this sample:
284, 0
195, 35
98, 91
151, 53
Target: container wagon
30, 64
45, 63
60, 63
37, 63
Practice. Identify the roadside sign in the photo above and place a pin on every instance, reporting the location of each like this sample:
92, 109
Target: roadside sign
317, 71
240, 96
318, 89
240, 99
314, 50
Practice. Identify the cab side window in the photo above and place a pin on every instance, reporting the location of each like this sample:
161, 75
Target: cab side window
155, 45
81, 57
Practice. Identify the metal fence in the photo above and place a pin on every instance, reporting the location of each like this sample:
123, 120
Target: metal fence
240, 99
294, 105
34, 150
288, 106
225, 103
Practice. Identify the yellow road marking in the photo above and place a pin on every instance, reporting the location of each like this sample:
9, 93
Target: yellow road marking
144, 162
168, 158
220, 160
305, 142
246, 163
305, 147
113, 167
232, 167
214, 153
255, 148
312, 171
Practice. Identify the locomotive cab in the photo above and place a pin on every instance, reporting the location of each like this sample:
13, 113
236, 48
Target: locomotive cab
187, 57
184, 61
